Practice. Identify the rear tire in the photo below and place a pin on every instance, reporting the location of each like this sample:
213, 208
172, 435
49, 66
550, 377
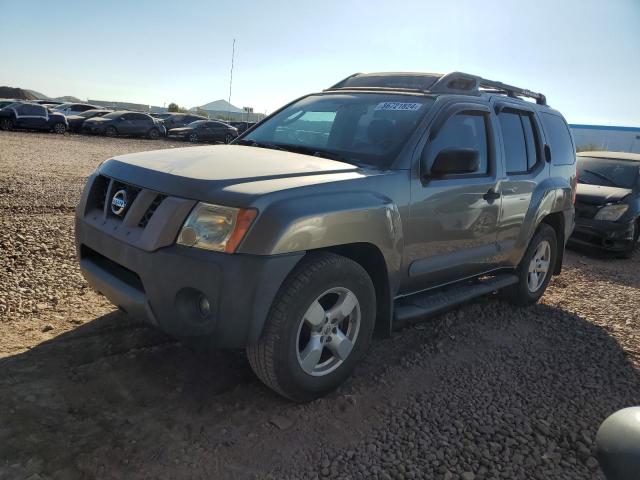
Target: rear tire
540, 255
319, 327
59, 128
111, 131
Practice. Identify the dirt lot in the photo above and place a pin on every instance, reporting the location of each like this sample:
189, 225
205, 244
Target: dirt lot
485, 391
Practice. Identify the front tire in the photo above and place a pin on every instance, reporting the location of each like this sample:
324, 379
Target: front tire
633, 245
6, 124
154, 134
228, 138
318, 329
535, 269
193, 137
59, 128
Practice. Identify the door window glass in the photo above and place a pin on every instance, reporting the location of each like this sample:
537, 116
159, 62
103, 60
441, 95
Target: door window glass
464, 130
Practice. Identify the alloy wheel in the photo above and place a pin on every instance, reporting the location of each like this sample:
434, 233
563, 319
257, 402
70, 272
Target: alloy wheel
328, 331
539, 266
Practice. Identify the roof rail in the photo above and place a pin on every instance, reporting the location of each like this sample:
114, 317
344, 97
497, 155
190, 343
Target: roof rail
454, 82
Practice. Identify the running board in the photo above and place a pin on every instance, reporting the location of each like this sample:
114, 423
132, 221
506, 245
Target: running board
419, 305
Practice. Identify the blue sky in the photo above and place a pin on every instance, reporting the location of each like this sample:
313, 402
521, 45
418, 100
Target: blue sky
584, 55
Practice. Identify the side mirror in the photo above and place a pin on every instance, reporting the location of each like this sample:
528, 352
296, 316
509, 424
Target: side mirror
451, 161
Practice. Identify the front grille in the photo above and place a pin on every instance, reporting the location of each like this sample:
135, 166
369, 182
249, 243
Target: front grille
103, 191
585, 210
151, 210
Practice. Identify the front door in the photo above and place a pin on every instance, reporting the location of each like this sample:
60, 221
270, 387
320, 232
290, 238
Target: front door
453, 220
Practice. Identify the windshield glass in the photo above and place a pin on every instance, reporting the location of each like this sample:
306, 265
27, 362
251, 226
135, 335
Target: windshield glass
363, 128
197, 123
61, 107
608, 172
113, 115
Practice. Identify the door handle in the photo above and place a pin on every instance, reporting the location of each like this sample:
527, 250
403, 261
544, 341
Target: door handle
491, 195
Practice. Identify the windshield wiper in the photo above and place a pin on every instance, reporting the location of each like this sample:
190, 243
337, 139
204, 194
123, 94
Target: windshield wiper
604, 177
253, 143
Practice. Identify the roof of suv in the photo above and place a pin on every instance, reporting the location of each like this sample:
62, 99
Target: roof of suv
433, 83
613, 155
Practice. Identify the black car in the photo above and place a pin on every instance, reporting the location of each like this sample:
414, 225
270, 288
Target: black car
608, 201
132, 124
242, 126
76, 121
177, 120
31, 116
205, 131
48, 102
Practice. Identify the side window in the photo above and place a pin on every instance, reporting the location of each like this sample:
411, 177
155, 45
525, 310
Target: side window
515, 147
531, 137
23, 109
559, 138
463, 130
128, 116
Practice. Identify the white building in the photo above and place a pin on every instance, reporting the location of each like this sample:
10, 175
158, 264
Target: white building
604, 137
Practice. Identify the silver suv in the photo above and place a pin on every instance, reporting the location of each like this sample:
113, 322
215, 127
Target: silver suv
381, 200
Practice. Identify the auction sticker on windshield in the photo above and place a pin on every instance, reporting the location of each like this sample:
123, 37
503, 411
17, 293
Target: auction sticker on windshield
398, 106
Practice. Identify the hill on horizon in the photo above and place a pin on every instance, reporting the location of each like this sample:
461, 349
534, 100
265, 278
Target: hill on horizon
25, 94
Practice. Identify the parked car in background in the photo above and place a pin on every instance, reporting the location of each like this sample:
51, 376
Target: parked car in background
8, 101
331, 219
131, 124
31, 116
242, 126
74, 108
608, 201
76, 121
205, 131
177, 120
48, 102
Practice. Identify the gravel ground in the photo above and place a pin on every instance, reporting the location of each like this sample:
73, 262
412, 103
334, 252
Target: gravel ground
484, 391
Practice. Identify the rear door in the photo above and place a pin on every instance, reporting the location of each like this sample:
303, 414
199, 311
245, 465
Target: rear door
525, 169
30, 115
452, 229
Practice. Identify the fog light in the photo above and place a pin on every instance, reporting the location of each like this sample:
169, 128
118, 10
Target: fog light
204, 306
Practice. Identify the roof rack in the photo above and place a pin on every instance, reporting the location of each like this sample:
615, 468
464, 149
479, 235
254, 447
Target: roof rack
454, 82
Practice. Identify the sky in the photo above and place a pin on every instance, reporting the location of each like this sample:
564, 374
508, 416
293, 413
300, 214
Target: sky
584, 55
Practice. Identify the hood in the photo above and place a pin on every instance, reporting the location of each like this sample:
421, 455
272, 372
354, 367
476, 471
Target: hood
98, 119
599, 195
211, 172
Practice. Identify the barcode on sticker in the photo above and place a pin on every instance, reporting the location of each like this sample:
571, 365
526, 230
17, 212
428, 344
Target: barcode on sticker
398, 106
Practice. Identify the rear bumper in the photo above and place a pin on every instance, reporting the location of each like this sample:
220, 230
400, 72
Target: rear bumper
612, 236
164, 287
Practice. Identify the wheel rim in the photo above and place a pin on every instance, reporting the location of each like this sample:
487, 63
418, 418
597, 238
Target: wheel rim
193, 138
539, 266
110, 132
229, 139
153, 134
328, 331
59, 128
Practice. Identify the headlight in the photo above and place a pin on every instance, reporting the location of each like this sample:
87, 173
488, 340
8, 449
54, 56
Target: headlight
213, 227
611, 212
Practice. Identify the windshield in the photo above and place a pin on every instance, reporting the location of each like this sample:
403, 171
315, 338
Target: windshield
608, 172
197, 123
113, 115
62, 106
363, 128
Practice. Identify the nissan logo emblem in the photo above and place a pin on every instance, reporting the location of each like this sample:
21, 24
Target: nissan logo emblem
119, 202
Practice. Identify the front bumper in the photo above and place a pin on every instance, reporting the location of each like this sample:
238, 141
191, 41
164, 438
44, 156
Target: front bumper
612, 236
163, 287
133, 260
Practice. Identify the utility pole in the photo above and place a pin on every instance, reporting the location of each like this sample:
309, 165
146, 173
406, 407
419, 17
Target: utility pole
233, 54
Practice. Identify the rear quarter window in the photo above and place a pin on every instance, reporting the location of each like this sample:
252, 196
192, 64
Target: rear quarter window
562, 150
